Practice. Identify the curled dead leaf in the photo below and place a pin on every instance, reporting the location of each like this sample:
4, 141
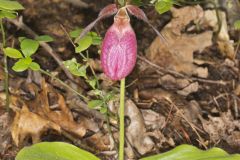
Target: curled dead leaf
153, 120
219, 127
99, 141
30, 124
136, 131
224, 43
178, 55
63, 116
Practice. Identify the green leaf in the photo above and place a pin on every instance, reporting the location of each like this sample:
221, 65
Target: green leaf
75, 33
137, 2
84, 43
103, 110
12, 52
163, 6
29, 47
82, 71
75, 68
34, 66
10, 5
109, 96
44, 38
8, 14
237, 24
97, 92
54, 151
95, 103
20, 39
96, 39
121, 2
22, 64
188, 152
92, 83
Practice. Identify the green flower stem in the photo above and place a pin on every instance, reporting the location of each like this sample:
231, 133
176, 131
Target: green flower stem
6, 84
121, 115
64, 84
94, 74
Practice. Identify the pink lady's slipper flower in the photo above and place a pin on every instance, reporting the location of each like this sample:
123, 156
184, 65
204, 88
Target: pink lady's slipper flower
119, 47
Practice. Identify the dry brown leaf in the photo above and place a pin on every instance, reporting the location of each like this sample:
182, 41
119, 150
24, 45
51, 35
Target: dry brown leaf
99, 141
182, 17
30, 124
234, 139
201, 72
219, 127
5, 138
192, 112
63, 117
136, 131
170, 82
193, 87
42, 117
163, 140
178, 55
157, 93
152, 119
224, 43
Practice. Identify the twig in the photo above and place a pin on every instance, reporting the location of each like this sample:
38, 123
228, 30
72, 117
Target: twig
195, 128
78, 3
235, 107
217, 97
64, 84
78, 142
19, 23
161, 69
65, 31
6, 85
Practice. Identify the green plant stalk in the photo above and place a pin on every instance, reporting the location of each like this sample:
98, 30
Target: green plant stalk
121, 117
6, 84
94, 74
64, 84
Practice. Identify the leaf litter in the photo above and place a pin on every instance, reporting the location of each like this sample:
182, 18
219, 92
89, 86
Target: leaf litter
186, 105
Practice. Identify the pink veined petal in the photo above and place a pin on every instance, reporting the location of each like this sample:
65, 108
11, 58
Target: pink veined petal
119, 51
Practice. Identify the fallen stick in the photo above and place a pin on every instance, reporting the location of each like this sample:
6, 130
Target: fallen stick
162, 69
78, 3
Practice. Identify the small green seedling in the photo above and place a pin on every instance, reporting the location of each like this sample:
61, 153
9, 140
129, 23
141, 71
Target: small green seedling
163, 6
237, 25
28, 47
80, 70
101, 103
91, 38
8, 9
76, 68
